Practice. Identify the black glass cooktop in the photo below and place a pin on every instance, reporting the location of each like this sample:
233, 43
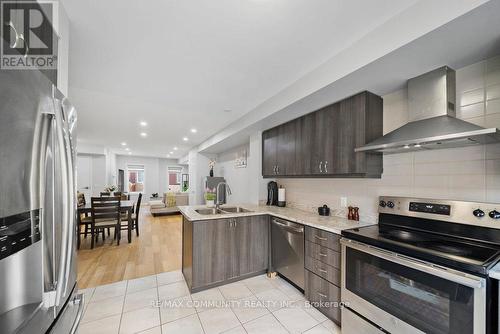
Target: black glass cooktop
453, 252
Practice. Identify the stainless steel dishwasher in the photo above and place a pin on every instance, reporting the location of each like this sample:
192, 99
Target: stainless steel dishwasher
287, 250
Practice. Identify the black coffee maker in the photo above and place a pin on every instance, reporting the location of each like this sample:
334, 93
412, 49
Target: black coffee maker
272, 193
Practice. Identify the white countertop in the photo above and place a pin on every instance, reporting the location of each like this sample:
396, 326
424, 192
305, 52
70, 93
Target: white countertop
332, 224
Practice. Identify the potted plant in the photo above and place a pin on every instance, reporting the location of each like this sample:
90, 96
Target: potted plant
110, 188
210, 199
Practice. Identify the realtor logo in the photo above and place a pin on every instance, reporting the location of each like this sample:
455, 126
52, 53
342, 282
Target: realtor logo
28, 39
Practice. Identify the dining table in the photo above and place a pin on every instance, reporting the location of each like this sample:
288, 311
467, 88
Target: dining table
125, 207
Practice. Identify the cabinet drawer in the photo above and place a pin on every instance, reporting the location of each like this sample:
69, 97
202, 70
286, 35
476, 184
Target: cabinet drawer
329, 273
323, 254
319, 291
323, 238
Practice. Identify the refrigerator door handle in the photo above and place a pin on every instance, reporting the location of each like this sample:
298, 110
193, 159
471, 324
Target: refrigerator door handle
67, 196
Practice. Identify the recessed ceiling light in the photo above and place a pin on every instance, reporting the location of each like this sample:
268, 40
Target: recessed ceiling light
143, 123
175, 148
171, 152
127, 149
185, 138
194, 130
124, 144
129, 153
144, 134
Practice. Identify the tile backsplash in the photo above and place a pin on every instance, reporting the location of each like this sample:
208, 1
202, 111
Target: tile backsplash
468, 173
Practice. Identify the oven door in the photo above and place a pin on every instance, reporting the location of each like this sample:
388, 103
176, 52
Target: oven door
405, 295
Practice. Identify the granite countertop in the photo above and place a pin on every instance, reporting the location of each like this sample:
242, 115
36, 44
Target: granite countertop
328, 223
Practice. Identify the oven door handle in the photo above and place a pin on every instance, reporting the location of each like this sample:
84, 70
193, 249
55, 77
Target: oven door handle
446, 273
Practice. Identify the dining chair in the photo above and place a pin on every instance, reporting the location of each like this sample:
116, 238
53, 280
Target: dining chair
105, 193
134, 217
105, 214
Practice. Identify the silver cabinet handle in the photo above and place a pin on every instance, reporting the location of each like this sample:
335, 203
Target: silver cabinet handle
322, 295
320, 168
320, 238
321, 254
277, 169
288, 228
326, 166
321, 270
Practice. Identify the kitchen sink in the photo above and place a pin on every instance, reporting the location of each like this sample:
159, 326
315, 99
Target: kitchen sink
236, 210
212, 211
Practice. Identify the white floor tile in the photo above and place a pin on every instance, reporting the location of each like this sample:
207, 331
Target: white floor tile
258, 284
218, 320
235, 291
319, 329
236, 330
156, 330
265, 325
170, 277
274, 299
140, 299
109, 325
172, 291
331, 326
248, 309
174, 309
313, 312
287, 288
187, 325
103, 309
109, 290
142, 283
295, 319
139, 320
208, 299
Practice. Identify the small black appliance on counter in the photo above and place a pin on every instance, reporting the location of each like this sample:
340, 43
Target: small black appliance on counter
272, 193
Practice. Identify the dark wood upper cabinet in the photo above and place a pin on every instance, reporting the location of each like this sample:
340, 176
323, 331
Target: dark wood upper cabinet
322, 143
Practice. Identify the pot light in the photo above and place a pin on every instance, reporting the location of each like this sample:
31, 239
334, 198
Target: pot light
175, 148
144, 134
194, 130
124, 144
171, 152
185, 138
407, 146
129, 153
142, 123
418, 145
127, 149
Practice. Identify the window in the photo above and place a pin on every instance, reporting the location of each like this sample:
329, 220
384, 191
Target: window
174, 179
136, 178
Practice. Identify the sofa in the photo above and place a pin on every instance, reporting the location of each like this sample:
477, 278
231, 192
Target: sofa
169, 204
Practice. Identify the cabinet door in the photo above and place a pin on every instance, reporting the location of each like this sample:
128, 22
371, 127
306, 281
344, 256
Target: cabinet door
286, 149
304, 137
252, 249
269, 151
349, 132
210, 246
323, 143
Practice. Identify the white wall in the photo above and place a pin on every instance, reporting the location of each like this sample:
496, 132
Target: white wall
471, 173
155, 171
247, 184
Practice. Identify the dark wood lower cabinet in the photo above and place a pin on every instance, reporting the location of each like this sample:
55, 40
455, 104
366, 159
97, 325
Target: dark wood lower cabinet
224, 250
324, 296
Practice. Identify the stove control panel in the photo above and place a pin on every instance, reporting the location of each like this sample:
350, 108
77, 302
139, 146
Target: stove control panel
462, 212
438, 209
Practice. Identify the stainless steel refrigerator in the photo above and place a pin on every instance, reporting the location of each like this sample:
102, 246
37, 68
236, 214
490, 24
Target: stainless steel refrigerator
37, 207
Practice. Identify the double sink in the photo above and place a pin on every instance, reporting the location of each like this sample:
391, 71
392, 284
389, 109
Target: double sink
221, 211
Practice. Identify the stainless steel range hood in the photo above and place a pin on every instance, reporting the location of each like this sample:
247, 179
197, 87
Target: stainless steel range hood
432, 122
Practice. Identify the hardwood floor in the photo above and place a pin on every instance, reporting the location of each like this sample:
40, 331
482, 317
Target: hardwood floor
157, 249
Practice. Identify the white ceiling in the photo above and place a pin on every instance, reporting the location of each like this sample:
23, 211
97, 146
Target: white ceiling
180, 64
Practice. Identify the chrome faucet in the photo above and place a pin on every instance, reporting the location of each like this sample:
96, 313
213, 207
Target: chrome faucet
218, 201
